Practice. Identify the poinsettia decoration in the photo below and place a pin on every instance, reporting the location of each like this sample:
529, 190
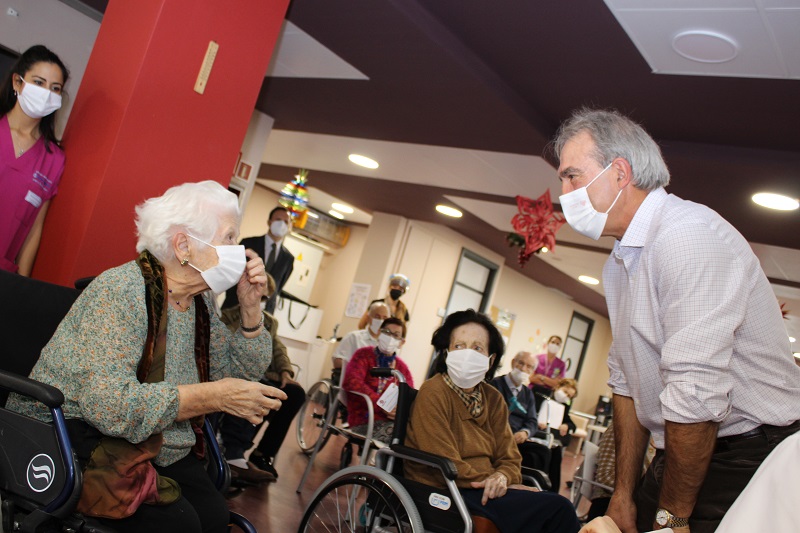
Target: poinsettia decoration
535, 226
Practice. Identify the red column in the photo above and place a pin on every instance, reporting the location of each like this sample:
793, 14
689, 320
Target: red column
138, 126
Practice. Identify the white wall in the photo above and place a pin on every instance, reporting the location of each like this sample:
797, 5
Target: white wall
541, 313
64, 30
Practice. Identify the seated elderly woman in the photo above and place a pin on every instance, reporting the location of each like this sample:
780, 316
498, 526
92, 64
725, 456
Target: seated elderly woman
459, 416
140, 360
391, 337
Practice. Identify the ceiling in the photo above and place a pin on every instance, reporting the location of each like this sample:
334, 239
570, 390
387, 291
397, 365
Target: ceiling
458, 100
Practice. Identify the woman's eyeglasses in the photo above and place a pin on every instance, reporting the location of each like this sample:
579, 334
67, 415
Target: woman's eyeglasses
398, 336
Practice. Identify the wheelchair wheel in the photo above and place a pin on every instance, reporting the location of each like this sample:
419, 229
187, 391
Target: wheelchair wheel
311, 418
362, 499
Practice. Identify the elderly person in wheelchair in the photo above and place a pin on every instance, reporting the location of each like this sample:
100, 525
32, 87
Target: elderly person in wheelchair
140, 360
459, 416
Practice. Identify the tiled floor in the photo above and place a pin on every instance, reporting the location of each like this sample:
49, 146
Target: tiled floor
277, 508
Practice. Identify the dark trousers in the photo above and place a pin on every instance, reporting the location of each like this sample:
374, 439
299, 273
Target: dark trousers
238, 434
548, 460
523, 510
201, 508
733, 463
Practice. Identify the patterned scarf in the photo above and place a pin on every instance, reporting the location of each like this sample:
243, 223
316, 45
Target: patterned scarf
473, 400
155, 299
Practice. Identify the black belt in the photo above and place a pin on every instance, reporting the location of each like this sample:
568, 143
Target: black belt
757, 432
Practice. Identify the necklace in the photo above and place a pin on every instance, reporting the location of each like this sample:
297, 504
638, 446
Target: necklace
178, 303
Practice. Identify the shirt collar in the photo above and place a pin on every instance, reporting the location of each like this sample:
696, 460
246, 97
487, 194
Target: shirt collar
511, 385
636, 234
269, 242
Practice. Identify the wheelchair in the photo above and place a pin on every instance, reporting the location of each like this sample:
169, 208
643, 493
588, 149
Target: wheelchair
40, 478
322, 415
378, 498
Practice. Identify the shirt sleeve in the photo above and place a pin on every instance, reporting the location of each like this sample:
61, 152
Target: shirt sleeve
700, 289
234, 355
346, 347
616, 378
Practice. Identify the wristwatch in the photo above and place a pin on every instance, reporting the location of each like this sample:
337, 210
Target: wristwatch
666, 519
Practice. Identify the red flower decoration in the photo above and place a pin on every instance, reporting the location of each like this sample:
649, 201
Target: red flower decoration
537, 224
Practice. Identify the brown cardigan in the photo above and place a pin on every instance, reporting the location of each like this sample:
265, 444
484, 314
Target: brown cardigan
479, 447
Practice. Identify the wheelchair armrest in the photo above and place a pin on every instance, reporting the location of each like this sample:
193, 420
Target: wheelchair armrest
532, 477
47, 394
444, 464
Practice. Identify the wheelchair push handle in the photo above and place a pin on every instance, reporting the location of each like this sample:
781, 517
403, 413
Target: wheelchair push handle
47, 394
384, 372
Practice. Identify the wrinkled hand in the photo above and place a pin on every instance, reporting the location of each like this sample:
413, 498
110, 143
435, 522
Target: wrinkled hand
601, 524
252, 283
520, 437
493, 487
622, 510
390, 414
562, 429
250, 400
517, 486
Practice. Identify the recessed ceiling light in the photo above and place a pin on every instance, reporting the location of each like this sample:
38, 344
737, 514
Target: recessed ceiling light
776, 201
363, 161
792, 339
797, 355
705, 46
589, 280
341, 207
545, 249
449, 211
336, 214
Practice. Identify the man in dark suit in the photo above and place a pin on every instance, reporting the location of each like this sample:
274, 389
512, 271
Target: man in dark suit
278, 260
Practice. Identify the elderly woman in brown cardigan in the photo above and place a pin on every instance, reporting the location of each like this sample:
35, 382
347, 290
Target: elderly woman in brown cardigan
459, 416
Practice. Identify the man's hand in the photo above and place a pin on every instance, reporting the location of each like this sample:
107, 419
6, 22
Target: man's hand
520, 436
562, 429
493, 487
622, 511
601, 524
286, 378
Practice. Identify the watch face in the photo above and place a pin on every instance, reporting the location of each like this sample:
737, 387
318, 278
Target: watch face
662, 517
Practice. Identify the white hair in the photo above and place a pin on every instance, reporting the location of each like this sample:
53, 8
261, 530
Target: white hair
615, 135
194, 208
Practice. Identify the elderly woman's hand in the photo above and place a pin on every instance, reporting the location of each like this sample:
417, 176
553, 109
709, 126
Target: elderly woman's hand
250, 400
493, 486
250, 289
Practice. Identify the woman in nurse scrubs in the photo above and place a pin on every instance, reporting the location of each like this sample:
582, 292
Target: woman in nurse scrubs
31, 159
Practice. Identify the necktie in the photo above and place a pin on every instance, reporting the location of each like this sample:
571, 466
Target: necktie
271, 258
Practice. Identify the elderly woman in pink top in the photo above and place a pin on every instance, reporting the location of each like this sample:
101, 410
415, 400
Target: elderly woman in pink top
31, 160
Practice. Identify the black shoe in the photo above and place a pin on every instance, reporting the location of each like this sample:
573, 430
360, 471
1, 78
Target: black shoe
263, 463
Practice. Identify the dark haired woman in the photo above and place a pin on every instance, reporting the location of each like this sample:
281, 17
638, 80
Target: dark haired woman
458, 416
31, 160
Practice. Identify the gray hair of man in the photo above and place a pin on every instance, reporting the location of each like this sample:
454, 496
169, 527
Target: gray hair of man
615, 135
190, 208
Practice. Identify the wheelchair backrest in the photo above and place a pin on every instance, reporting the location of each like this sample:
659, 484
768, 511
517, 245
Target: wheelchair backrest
31, 311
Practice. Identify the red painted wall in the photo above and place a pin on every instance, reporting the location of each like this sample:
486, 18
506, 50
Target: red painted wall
138, 127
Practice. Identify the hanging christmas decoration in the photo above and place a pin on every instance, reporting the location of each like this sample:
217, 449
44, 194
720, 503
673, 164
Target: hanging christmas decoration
294, 197
535, 226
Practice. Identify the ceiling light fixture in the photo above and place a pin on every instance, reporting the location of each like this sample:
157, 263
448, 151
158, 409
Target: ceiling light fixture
776, 201
336, 214
449, 211
589, 280
342, 207
363, 161
792, 339
313, 214
705, 46
544, 249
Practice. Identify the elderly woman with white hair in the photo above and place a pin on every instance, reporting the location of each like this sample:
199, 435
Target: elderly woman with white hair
140, 360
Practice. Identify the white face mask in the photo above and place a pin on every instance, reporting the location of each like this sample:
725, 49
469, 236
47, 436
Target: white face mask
375, 325
553, 348
561, 396
227, 272
580, 212
279, 228
37, 102
388, 344
519, 376
467, 367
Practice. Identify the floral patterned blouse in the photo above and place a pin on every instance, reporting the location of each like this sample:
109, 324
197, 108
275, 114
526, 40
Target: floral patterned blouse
93, 356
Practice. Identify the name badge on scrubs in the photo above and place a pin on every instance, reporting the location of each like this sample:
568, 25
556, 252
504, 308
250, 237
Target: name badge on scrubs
42, 181
33, 199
